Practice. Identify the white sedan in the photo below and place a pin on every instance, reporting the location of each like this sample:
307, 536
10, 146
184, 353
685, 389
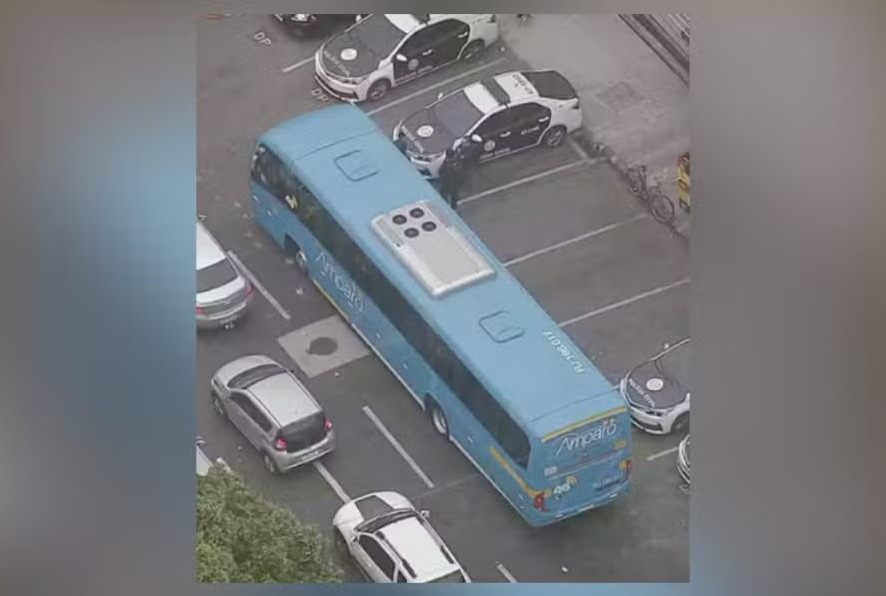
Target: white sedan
392, 542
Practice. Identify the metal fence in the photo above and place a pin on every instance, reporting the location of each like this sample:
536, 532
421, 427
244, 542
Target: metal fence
678, 24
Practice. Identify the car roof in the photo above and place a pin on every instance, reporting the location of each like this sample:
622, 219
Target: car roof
525, 85
415, 544
284, 398
208, 250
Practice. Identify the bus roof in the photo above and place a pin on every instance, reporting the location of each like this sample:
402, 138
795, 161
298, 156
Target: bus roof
542, 389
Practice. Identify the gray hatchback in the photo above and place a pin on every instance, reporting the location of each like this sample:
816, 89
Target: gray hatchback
274, 411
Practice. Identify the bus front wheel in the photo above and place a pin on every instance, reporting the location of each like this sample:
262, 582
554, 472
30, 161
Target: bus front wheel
438, 417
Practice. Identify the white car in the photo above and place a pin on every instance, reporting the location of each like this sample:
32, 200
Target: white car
223, 294
382, 51
504, 114
657, 391
392, 542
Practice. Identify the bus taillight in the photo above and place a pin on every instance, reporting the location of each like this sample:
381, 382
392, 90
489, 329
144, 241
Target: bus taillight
539, 502
628, 464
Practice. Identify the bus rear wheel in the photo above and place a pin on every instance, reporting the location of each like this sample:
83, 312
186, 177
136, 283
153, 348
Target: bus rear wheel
438, 417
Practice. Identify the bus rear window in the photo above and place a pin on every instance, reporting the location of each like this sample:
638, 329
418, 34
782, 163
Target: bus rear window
593, 443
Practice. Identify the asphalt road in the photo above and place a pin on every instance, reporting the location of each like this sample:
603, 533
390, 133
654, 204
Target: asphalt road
569, 231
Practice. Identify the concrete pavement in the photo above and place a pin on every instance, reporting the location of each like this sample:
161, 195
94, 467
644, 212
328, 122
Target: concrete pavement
633, 102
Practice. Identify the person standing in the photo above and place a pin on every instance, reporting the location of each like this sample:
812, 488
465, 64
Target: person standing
400, 142
449, 178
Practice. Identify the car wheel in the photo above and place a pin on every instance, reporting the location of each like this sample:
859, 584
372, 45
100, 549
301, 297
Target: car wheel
438, 418
271, 465
217, 405
340, 544
378, 89
680, 424
473, 50
553, 137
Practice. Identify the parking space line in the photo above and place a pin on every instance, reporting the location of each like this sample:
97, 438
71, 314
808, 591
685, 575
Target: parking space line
525, 180
434, 86
298, 64
504, 571
579, 149
655, 456
625, 302
258, 286
332, 482
396, 444
565, 243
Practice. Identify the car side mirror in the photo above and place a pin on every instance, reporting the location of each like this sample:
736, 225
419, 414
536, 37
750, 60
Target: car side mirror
440, 96
425, 514
667, 345
476, 138
400, 58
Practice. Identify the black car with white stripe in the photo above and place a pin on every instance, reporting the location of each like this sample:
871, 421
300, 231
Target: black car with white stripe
504, 113
382, 51
657, 390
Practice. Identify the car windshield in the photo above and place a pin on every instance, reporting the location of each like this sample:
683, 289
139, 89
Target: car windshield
378, 34
456, 113
377, 523
254, 375
675, 365
456, 577
215, 276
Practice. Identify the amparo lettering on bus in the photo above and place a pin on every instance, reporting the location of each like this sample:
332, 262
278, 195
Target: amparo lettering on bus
568, 355
347, 288
574, 441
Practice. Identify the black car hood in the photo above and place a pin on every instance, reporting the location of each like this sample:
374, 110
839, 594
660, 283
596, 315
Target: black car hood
642, 388
336, 59
425, 134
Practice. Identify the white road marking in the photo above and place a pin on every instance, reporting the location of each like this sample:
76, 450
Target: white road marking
258, 286
434, 86
625, 302
655, 456
396, 444
298, 64
504, 571
579, 149
525, 180
332, 482
571, 241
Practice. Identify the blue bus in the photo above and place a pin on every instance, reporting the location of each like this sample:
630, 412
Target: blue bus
492, 370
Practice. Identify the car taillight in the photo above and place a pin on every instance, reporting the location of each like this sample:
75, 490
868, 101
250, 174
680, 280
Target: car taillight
248, 288
199, 310
280, 445
539, 502
328, 425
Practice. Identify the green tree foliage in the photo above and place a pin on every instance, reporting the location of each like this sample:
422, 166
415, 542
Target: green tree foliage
243, 538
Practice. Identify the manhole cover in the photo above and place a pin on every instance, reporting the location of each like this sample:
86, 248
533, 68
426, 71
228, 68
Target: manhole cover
619, 96
322, 346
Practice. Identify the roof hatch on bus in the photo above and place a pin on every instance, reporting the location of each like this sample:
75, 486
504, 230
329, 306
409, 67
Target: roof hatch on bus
501, 327
437, 254
356, 165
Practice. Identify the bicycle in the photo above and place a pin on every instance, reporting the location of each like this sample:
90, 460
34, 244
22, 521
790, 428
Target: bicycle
659, 204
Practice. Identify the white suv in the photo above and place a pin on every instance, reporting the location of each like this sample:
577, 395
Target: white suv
392, 542
383, 51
